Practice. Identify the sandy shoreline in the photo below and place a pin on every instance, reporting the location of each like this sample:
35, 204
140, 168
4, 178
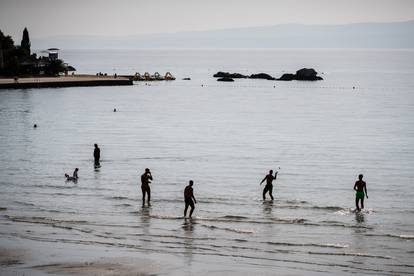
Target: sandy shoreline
32, 257
27, 257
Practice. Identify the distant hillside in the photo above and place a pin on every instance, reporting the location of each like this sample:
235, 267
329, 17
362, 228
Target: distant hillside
363, 35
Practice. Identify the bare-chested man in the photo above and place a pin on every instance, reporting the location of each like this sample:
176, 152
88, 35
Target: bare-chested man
189, 198
269, 184
360, 186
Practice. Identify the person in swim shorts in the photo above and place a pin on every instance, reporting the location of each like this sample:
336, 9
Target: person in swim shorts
360, 186
188, 198
269, 184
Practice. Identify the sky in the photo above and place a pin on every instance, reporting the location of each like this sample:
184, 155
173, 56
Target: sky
46, 18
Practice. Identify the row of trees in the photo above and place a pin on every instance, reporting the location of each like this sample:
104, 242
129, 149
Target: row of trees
19, 61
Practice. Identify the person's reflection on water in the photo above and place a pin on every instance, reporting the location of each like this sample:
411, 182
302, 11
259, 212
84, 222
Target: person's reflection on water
267, 207
189, 227
359, 241
145, 224
359, 217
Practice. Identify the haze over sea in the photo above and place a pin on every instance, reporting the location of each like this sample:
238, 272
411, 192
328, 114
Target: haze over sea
224, 136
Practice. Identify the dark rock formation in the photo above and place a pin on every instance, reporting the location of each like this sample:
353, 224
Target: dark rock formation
186, 78
304, 74
229, 75
225, 79
307, 74
287, 77
262, 76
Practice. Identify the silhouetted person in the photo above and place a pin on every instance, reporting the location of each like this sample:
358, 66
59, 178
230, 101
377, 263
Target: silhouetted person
75, 173
74, 177
97, 155
269, 184
114, 109
360, 186
189, 198
146, 178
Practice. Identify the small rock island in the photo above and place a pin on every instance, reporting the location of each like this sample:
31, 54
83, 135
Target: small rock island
304, 74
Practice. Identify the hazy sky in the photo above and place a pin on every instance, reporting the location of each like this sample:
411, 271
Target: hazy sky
123, 17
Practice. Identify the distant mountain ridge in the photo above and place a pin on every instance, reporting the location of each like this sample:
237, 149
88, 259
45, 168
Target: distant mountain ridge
358, 35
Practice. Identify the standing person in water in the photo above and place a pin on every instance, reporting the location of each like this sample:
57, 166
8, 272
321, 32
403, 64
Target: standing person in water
97, 155
269, 184
188, 198
146, 178
360, 187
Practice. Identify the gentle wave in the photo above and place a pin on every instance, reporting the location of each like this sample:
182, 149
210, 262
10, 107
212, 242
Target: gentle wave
44, 220
351, 254
124, 205
24, 203
329, 208
120, 198
327, 245
241, 219
240, 231
402, 236
233, 217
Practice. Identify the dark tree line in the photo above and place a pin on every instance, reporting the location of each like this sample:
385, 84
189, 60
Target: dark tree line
19, 61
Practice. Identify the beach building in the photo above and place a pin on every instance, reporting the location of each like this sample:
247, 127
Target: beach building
53, 53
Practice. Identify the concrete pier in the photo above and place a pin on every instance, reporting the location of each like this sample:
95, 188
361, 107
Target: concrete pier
63, 81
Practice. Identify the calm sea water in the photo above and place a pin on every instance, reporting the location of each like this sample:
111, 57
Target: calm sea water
224, 136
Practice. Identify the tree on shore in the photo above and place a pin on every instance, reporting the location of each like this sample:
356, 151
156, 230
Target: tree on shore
16, 61
25, 44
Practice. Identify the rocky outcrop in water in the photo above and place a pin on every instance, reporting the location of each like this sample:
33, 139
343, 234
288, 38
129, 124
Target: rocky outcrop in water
225, 79
263, 76
304, 74
229, 75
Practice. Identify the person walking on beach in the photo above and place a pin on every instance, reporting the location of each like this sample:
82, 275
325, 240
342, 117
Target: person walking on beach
269, 184
97, 155
360, 186
146, 178
188, 198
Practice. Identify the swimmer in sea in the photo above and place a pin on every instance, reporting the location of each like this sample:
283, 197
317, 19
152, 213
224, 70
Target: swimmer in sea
74, 177
269, 184
360, 186
146, 178
189, 198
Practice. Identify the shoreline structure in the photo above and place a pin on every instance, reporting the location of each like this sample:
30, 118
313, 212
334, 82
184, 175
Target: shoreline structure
64, 81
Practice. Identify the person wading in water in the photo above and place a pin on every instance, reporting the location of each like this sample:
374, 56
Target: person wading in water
188, 198
146, 178
97, 155
269, 184
360, 186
